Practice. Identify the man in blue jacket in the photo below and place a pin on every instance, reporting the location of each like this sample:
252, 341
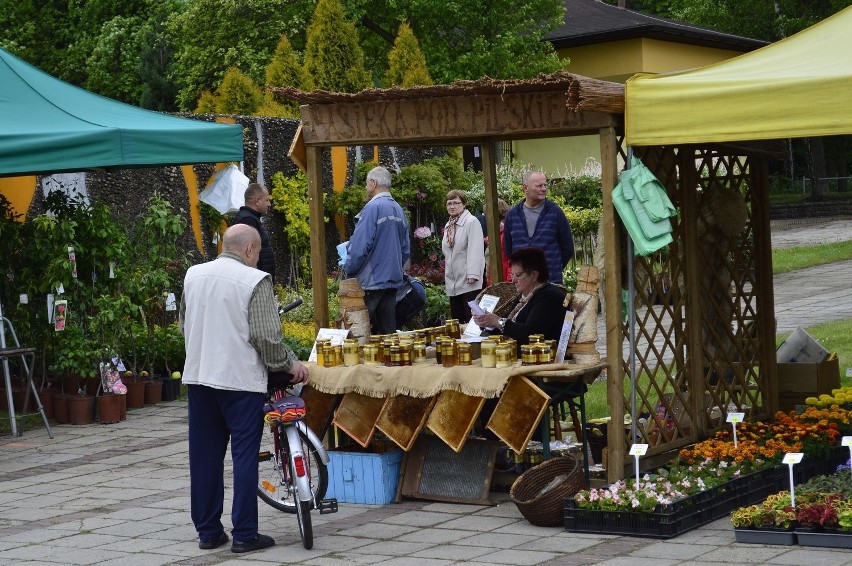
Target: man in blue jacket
537, 222
378, 249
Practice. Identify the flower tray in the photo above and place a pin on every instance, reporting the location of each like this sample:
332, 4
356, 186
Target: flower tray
758, 536
826, 539
750, 489
666, 521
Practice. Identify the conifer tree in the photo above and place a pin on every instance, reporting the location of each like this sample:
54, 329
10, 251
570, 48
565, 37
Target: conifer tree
238, 94
207, 103
334, 59
285, 69
406, 62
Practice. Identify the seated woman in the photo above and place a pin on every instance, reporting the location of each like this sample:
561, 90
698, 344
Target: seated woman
538, 307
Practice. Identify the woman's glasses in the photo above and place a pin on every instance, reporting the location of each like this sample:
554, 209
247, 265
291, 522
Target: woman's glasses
516, 276
454, 203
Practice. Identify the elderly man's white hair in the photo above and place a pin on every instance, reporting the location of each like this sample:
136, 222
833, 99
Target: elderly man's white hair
238, 236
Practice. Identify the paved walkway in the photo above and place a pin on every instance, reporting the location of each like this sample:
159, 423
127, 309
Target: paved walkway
118, 494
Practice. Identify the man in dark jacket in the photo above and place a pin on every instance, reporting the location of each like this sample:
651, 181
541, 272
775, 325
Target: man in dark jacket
257, 204
537, 222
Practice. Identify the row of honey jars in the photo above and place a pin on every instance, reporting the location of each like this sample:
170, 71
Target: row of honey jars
538, 353
498, 352
453, 352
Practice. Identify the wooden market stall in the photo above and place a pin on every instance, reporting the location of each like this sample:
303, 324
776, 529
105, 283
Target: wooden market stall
705, 329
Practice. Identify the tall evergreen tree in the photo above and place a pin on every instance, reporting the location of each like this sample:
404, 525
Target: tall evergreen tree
334, 59
285, 69
406, 62
238, 94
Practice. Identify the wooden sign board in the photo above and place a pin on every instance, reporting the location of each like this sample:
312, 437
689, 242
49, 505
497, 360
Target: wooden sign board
518, 413
403, 417
453, 416
357, 416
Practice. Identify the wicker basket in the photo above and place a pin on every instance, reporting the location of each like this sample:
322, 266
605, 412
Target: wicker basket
546, 510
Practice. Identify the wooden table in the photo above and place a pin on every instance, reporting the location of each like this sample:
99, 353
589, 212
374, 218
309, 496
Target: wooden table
561, 382
567, 385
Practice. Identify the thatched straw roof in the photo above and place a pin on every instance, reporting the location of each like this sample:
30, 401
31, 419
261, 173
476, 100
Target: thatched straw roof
582, 93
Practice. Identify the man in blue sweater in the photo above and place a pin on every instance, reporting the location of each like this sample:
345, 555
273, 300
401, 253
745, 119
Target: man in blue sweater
537, 222
378, 249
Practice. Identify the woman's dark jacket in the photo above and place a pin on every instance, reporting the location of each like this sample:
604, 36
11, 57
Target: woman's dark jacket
544, 314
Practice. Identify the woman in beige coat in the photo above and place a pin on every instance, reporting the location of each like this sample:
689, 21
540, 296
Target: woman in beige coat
464, 256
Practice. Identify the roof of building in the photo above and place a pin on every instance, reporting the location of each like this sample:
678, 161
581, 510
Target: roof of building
592, 21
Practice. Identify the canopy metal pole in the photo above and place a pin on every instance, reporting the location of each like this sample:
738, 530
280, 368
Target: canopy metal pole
631, 321
6, 376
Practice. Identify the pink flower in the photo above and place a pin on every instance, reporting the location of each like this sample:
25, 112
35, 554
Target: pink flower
422, 232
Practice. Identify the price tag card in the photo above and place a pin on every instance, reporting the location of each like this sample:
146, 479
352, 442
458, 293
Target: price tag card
792, 458
638, 449
736, 417
846, 441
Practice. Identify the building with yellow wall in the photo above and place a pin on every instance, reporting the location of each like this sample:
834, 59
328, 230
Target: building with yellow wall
613, 43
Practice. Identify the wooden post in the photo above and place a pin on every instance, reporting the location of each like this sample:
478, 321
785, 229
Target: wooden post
319, 273
759, 180
612, 289
692, 270
492, 216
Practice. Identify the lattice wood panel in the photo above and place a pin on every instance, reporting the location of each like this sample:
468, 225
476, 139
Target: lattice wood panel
697, 329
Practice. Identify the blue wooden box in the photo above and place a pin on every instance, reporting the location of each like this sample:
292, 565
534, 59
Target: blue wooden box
361, 477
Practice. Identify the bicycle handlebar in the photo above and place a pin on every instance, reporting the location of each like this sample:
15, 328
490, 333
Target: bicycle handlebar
287, 308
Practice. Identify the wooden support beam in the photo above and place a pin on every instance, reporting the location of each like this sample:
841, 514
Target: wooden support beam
445, 120
492, 216
692, 269
759, 181
612, 292
319, 273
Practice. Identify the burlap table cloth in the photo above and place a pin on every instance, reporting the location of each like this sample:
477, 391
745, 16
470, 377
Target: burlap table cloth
421, 380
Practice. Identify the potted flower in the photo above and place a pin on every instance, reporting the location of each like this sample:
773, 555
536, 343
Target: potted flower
75, 355
770, 522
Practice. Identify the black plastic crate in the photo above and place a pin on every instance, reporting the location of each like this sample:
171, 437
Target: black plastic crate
753, 488
666, 521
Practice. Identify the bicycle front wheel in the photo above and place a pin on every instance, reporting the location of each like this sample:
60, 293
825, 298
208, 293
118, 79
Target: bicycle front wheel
274, 485
303, 517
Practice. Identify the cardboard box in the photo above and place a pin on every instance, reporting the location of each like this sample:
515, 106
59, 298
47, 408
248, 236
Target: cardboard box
801, 347
362, 477
803, 379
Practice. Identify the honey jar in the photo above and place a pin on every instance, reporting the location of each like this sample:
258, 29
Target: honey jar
371, 354
529, 356
351, 356
453, 328
449, 353
488, 353
464, 354
504, 358
418, 353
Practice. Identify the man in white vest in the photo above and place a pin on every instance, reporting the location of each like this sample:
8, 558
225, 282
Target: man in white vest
232, 333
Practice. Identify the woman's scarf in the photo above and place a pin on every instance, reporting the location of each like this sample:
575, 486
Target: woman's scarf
451, 229
522, 302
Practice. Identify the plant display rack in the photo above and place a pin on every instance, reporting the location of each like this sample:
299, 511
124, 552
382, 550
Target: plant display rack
668, 521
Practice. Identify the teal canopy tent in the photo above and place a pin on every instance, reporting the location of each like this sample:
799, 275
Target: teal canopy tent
50, 126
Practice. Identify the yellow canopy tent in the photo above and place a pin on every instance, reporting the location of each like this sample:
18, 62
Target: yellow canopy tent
798, 87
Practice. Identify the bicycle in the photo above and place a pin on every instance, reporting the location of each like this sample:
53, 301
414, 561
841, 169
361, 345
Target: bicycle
293, 470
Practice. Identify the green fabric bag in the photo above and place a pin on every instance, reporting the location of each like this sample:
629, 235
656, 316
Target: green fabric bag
644, 207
